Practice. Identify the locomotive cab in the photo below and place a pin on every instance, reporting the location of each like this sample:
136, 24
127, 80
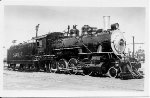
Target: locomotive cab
41, 44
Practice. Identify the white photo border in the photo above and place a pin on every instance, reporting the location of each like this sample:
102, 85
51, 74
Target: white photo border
76, 3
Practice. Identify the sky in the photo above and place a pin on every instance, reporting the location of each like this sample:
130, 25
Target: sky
20, 21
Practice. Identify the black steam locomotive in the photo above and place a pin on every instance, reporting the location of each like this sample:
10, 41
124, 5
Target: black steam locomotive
93, 52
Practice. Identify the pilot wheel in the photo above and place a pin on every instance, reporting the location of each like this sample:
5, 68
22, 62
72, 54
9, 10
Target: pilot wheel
112, 72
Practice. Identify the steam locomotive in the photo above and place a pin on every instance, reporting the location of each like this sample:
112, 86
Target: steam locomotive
93, 52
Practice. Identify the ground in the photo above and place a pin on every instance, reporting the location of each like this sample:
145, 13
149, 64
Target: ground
14, 80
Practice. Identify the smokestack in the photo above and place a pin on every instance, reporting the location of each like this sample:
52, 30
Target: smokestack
106, 20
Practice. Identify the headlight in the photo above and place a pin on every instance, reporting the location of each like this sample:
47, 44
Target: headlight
118, 43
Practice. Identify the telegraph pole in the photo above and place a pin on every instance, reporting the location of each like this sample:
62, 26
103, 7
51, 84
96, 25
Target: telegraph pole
133, 47
36, 28
68, 30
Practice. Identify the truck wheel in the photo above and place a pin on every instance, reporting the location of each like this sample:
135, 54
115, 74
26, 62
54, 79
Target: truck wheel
47, 67
14, 67
26, 67
32, 67
53, 66
72, 64
63, 65
21, 67
112, 72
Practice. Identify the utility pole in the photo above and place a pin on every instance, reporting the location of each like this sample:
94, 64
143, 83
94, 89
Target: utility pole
36, 28
68, 30
133, 47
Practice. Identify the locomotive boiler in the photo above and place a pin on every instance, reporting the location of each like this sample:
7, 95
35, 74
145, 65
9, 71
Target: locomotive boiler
92, 52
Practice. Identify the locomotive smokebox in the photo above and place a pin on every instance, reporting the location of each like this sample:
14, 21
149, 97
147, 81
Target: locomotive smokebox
106, 20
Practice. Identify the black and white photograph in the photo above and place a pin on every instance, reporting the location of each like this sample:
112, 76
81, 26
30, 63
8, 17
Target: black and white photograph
75, 49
